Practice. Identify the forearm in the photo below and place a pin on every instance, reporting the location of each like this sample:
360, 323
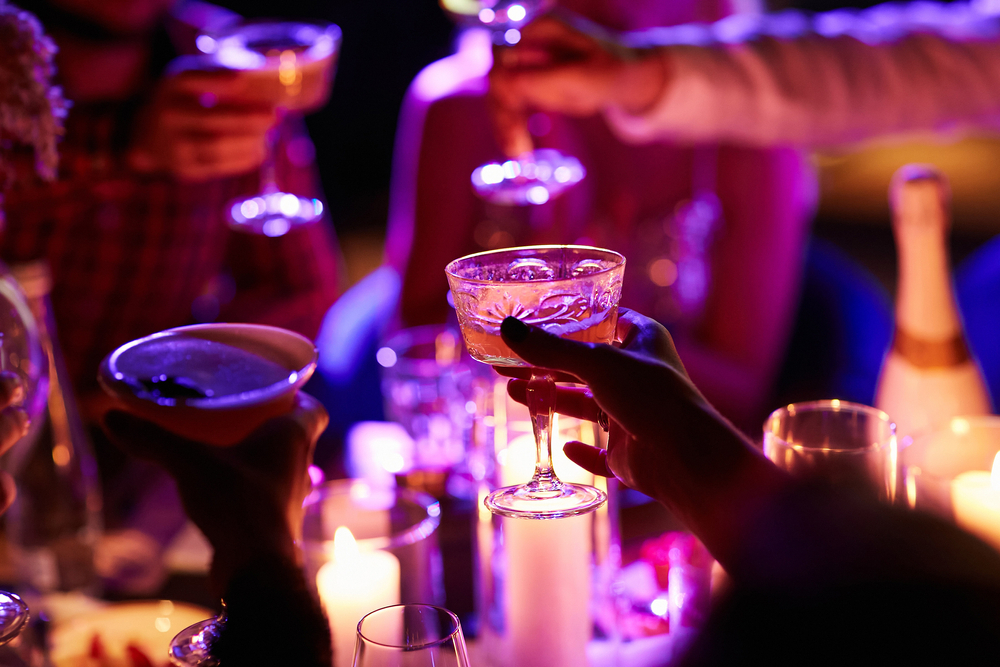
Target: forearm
719, 486
738, 390
857, 82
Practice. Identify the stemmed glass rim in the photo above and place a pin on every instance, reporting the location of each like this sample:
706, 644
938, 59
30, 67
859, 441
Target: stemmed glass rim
114, 379
411, 535
452, 268
830, 405
320, 49
456, 626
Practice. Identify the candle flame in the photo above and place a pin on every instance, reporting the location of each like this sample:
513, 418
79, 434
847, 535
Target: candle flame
345, 548
995, 473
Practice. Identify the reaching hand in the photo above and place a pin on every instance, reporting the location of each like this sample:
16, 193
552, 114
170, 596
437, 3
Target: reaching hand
666, 440
246, 499
13, 426
201, 125
557, 68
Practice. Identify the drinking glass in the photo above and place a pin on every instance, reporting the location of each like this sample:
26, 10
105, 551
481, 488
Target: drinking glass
292, 63
410, 635
571, 291
21, 354
836, 442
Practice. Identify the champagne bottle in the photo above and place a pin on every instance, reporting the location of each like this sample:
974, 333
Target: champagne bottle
929, 375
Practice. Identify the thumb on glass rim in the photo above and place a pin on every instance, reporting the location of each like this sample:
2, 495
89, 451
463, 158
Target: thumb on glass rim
592, 459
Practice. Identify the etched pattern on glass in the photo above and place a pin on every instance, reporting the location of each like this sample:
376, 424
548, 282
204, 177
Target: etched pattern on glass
573, 299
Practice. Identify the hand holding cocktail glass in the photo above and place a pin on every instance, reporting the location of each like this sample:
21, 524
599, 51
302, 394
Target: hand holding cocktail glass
665, 439
571, 291
218, 114
218, 407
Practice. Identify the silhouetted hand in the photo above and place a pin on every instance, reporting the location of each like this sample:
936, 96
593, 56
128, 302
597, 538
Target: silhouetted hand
665, 440
246, 499
200, 125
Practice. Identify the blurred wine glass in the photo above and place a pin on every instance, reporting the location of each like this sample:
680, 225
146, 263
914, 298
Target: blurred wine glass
535, 176
290, 65
410, 635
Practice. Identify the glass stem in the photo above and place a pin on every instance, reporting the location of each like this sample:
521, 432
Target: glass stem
268, 172
541, 401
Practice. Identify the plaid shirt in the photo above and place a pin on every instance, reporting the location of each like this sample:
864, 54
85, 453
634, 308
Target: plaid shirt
132, 254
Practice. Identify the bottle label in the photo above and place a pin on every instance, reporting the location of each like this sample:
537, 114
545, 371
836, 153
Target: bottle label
930, 353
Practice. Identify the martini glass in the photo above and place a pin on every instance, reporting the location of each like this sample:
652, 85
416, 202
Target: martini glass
571, 291
293, 64
214, 383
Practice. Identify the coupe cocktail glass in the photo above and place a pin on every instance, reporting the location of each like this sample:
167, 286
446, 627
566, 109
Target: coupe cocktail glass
571, 291
292, 64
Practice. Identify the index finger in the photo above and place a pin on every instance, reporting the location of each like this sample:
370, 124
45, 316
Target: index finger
220, 86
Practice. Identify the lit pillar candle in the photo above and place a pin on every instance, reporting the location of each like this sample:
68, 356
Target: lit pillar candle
975, 497
548, 571
351, 585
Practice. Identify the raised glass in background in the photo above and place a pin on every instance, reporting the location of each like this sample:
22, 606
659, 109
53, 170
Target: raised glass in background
570, 291
837, 443
416, 635
293, 63
538, 175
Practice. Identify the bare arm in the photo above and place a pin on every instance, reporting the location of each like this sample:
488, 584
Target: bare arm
778, 79
814, 90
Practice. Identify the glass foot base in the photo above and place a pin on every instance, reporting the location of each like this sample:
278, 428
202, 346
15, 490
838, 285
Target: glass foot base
557, 501
192, 647
533, 179
13, 615
273, 214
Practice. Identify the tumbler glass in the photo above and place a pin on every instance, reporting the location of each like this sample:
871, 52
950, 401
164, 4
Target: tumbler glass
836, 442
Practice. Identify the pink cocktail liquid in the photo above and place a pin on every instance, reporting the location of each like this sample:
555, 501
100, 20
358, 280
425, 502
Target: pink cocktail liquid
488, 346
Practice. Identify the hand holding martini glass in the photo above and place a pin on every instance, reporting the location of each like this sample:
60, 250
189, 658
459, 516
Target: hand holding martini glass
572, 291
